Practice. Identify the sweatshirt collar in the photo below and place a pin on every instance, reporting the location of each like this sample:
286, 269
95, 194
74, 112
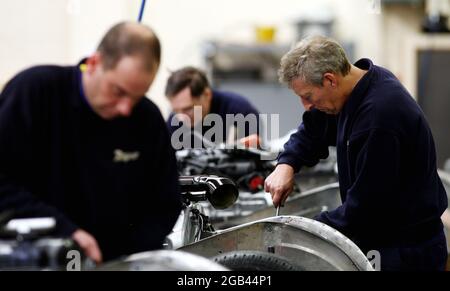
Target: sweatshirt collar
360, 90
80, 69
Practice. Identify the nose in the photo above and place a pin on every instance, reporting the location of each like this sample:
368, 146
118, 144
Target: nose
308, 106
124, 107
185, 118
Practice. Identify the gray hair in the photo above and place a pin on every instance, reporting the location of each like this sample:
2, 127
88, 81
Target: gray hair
311, 58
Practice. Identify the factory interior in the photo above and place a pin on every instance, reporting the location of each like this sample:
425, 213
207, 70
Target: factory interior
206, 135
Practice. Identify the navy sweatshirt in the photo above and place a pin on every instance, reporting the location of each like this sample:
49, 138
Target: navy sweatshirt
390, 189
223, 103
59, 159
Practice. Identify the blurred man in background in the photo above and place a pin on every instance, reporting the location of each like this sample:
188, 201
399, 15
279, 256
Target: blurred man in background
188, 88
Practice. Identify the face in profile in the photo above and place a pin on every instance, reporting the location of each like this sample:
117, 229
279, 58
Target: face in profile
115, 92
183, 104
323, 98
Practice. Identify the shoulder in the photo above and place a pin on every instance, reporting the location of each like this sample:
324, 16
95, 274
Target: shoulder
39, 74
391, 99
228, 97
146, 109
33, 86
388, 106
38, 79
233, 102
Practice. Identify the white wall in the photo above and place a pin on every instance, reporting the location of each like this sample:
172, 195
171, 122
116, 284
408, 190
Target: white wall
182, 25
405, 21
46, 31
93, 18
54, 31
31, 34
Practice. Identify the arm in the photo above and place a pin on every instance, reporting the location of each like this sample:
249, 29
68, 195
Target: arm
305, 147
446, 218
310, 143
88, 244
169, 125
18, 112
162, 206
376, 158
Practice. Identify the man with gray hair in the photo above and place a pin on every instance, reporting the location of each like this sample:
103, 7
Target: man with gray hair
392, 197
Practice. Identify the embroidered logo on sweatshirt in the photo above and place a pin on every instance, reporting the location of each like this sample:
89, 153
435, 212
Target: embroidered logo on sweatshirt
125, 157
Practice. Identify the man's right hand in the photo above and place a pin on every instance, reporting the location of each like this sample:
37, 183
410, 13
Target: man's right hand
280, 184
88, 244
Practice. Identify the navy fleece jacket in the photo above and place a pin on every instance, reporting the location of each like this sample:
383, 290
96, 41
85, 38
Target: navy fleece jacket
391, 192
59, 159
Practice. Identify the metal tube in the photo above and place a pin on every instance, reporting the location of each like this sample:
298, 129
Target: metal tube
141, 12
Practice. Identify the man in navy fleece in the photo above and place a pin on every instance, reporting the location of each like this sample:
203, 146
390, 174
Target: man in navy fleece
82, 144
188, 89
392, 197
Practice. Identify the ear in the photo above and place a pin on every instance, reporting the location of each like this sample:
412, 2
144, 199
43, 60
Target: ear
329, 80
208, 93
93, 62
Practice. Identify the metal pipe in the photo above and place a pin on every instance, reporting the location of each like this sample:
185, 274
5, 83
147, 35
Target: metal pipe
141, 12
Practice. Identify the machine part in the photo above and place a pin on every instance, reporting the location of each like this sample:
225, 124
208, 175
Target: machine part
28, 226
220, 192
307, 243
253, 182
40, 254
162, 260
255, 261
307, 204
248, 170
241, 165
193, 224
26, 244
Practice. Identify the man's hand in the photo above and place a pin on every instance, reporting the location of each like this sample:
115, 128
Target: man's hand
251, 141
88, 244
446, 218
280, 184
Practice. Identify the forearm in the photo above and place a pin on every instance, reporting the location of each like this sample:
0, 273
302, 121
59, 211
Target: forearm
310, 143
22, 203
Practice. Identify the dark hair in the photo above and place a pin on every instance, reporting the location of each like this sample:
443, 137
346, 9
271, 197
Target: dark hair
130, 39
190, 77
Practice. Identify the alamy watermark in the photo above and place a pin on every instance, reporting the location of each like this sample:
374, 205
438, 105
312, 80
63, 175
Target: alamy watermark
74, 261
374, 258
266, 125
